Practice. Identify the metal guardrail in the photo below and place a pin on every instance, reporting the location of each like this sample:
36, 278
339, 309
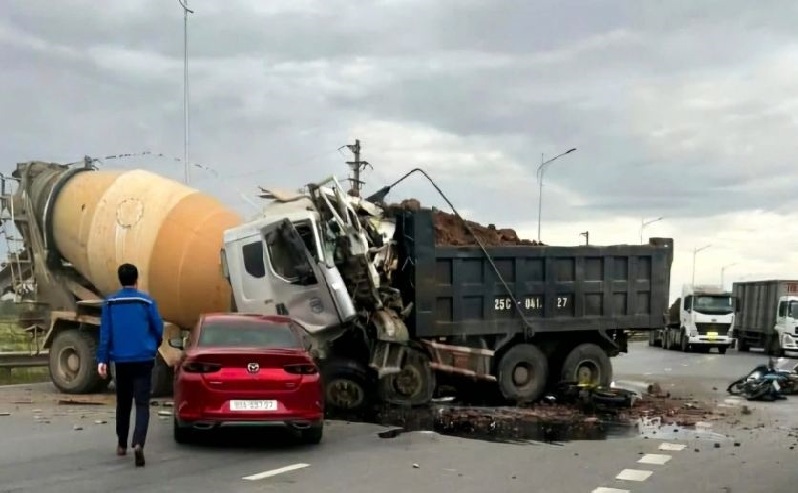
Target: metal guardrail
23, 359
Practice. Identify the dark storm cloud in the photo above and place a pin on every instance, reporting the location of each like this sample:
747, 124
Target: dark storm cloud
681, 106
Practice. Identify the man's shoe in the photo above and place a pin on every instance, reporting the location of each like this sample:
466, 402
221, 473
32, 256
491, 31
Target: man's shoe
139, 453
121, 450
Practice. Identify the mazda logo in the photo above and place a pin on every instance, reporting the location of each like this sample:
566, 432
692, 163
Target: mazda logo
253, 367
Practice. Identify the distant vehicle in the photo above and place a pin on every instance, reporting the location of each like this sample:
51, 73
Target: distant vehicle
767, 316
700, 319
247, 370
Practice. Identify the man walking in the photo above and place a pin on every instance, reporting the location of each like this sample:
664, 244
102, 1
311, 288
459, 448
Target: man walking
131, 330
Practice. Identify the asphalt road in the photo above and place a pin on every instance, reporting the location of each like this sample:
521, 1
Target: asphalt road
42, 451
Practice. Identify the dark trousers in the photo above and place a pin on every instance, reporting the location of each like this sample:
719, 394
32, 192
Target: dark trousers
133, 382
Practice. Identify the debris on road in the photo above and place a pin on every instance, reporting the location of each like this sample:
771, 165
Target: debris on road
77, 427
100, 421
80, 402
164, 413
3, 413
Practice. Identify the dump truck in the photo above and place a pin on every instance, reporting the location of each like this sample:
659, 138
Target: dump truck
701, 319
767, 316
387, 307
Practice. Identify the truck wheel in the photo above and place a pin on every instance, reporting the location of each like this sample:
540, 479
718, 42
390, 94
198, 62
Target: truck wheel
722, 349
588, 363
414, 385
652, 338
684, 343
162, 378
347, 386
73, 368
523, 371
774, 347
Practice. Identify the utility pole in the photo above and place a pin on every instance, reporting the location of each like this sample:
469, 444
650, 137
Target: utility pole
357, 166
186, 165
586, 234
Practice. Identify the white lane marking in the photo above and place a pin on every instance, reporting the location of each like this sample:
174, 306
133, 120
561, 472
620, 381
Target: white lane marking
608, 490
275, 472
677, 447
656, 459
634, 475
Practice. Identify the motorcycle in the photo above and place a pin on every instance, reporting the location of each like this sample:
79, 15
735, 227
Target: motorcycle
766, 382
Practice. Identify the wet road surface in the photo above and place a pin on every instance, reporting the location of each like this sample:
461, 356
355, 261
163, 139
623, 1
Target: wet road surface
42, 450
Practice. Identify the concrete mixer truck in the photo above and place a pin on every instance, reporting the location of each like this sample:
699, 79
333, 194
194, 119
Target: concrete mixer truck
390, 308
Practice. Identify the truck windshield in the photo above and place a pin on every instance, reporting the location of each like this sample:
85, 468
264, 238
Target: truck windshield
715, 305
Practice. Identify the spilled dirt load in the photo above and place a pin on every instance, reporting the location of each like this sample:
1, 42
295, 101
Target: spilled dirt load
551, 421
450, 230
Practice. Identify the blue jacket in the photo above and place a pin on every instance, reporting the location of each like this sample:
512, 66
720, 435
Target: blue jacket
131, 329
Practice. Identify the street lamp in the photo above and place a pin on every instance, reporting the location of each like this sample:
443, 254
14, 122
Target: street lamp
644, 223
723, 271
695, 252
541, 170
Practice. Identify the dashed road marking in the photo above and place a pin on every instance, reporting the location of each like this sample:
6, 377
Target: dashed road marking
674, 447
608, 490
634, 475
275, 472
656, 459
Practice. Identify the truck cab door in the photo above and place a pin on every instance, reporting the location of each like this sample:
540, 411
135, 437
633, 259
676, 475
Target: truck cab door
781, 318
303, 285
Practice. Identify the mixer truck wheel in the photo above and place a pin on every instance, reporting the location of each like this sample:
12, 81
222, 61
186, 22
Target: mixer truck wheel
73, 368
587, 364
413, 385
522, 373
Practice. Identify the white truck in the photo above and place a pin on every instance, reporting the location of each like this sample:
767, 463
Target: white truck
767, 316
699, 320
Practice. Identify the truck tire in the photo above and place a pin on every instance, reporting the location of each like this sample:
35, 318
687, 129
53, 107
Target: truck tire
722, 349
588, 363
73, 364
774, 346
684, 343
162, 378
347, 385
522, 373
415, 384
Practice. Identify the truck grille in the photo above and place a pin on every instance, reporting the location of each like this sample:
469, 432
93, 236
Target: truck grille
721, 329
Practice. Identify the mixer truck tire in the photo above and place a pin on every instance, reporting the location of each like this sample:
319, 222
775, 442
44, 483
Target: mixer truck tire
522, 373
347, 386
72, 366
414, 385
587, 364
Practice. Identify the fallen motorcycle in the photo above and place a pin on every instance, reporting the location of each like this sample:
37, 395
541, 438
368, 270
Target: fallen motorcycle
765, 382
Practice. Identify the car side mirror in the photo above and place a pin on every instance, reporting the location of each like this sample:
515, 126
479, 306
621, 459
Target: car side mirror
176, 342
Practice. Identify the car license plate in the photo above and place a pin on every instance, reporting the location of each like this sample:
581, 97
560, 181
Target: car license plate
253, 405
712, 335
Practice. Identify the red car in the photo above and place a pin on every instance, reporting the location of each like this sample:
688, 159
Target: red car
247, 370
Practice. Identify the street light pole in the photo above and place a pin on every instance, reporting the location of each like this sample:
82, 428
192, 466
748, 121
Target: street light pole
695, 252
723, 272
644, 223
541, 170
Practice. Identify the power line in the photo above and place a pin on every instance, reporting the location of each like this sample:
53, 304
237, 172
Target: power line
186, 167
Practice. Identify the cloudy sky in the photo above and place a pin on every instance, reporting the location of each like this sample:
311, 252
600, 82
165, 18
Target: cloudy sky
680, 109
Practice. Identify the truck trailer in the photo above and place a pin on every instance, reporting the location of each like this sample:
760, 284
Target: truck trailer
388, 307
699, 320
767, 316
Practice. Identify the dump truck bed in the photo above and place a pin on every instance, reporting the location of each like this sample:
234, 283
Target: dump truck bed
456, 290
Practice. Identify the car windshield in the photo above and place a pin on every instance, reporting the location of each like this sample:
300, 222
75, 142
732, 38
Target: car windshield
718, 305
244, 332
